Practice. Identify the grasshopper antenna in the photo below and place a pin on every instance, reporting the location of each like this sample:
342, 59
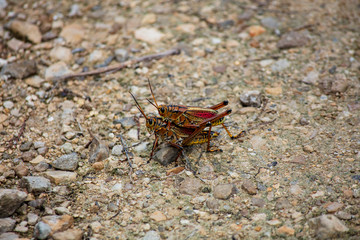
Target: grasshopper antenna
151, 102
138, 106
152, 93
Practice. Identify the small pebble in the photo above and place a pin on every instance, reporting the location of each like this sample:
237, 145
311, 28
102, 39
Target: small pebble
224, 191
249, 187
25, 146
8, 104
32, 218
42, 230
67, 147
68, 162
117, 150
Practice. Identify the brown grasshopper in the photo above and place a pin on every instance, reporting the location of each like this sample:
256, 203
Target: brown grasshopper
190, 116
179, 136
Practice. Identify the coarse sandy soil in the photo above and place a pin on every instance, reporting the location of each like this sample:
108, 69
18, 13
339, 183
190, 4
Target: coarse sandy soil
289, 69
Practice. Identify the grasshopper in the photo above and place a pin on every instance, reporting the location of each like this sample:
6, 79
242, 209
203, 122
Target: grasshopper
191, 117
179, 136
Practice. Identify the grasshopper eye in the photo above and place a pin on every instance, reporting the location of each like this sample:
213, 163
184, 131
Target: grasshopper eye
162, 110
151, 122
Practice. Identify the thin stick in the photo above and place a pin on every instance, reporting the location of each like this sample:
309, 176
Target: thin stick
126, 151
120, 66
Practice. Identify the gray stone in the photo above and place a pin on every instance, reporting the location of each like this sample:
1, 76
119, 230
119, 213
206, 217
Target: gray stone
43, 150
15, 44
133, 134
334, 84
9, 174
99, 150
70, 135
207, 172
67, 147
3, 62
66, 162
34, 81
212, 203
152, 235
121, 55
75, 11
117, 150
280, 65
112, 207
42, 166
28, 156
271, 23
37, 203
258, 202
327, 226
221, 68
39, 144
61, 53
10, 200
251, 99
126, 122
3, 4
7, 224
293, 39
295, 190
36, 185
9, 236
141, 147
49, 211
32, 218
56, 70
282, 203
20, 70
15, 112
190, 186
166, 154
21, 227
40, 94
224, 191
343, 215
311, 78
25, 146
249, 187
8, 104
303, 121
61, 210
42, 230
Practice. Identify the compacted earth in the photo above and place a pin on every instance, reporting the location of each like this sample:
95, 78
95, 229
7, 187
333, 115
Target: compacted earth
74, 150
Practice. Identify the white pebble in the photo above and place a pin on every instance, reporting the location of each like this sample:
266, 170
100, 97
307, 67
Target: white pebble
8, 104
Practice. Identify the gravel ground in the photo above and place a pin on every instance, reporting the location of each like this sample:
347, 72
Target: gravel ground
289, 69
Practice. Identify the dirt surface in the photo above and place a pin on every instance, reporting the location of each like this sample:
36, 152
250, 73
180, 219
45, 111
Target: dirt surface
294, 62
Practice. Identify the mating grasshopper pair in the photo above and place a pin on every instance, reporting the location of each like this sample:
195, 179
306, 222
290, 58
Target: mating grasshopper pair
182, 126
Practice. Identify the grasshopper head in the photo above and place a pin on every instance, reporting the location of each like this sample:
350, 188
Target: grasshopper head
151, 124
162, 109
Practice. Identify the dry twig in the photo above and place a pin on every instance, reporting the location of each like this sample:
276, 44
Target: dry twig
126, 151
120, 66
